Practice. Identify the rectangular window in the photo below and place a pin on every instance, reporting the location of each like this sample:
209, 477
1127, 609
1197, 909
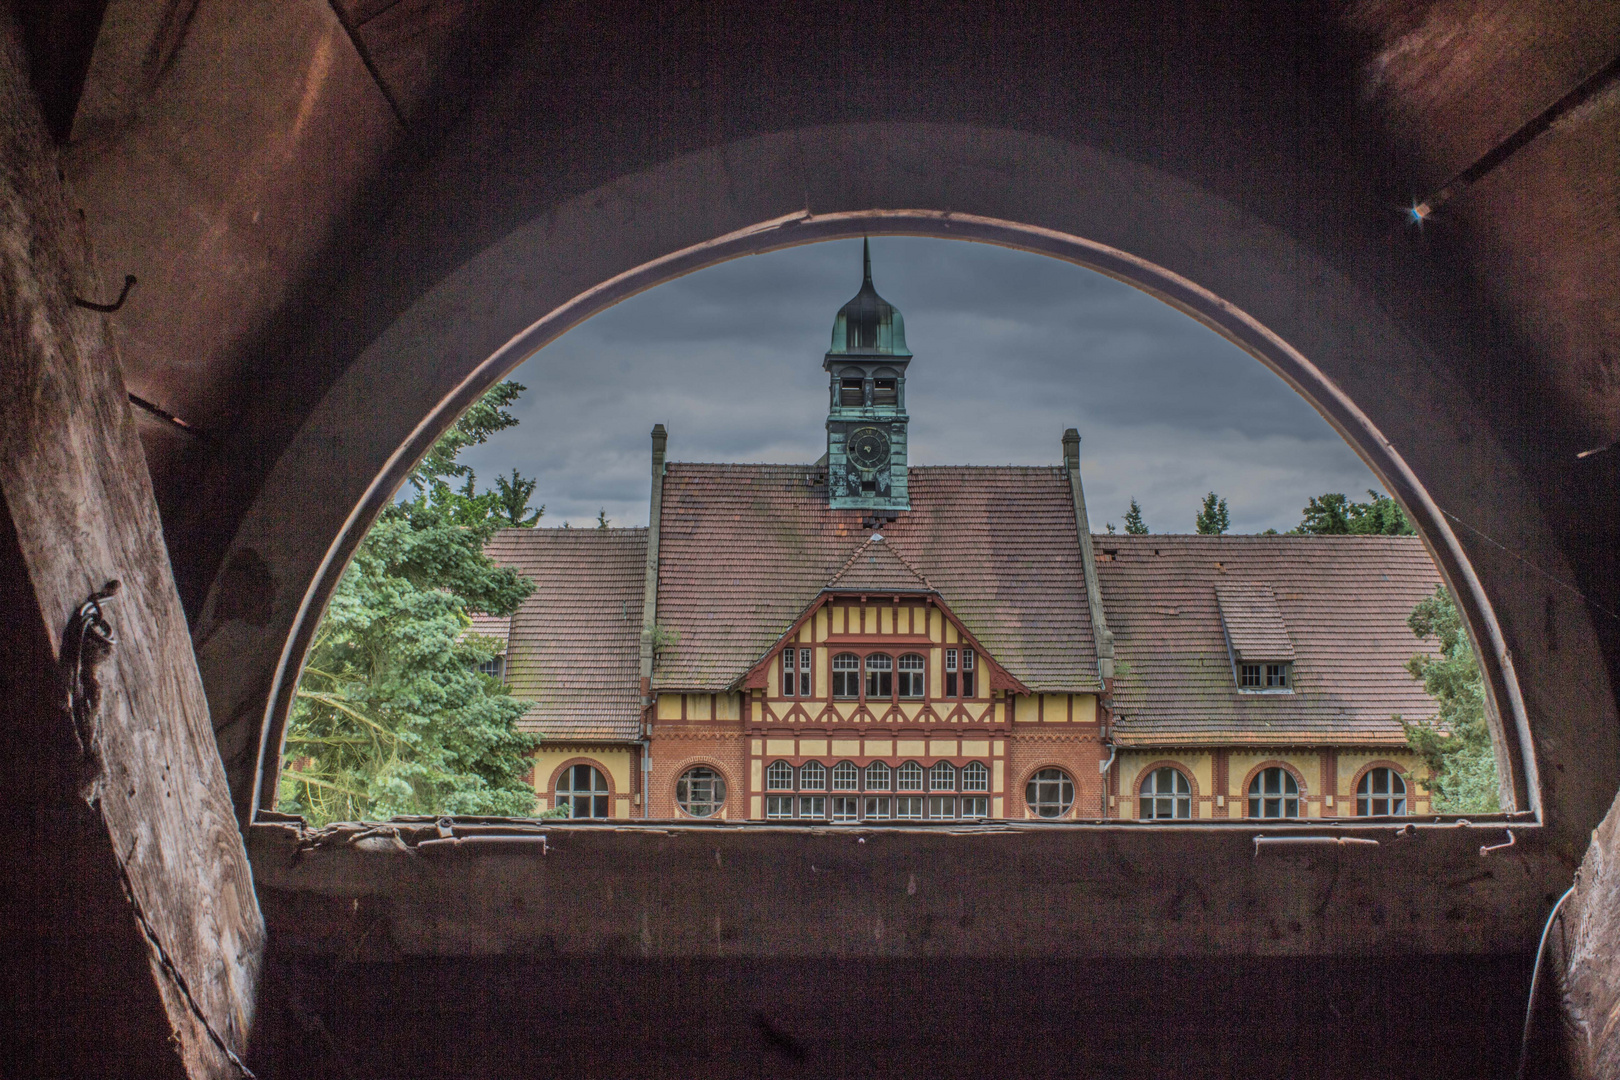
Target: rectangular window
846, 808
804, 672
950, 672
1249, 676
908, 807
778, 806
813, 806
788, 681
877, 808
851, 392
846, 673
975, 807
879, 677
1276, 676
494, 667
885, 392
911, 676
941, 806
967, 672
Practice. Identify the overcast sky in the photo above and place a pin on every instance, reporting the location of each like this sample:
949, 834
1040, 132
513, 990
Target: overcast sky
1010, 349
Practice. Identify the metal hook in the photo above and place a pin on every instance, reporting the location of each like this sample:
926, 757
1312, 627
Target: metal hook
129, 283
1512, 838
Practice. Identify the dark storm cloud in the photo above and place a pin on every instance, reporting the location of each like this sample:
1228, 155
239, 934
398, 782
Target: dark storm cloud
1011, 348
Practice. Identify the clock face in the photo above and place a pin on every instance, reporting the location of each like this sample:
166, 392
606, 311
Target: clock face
868, 447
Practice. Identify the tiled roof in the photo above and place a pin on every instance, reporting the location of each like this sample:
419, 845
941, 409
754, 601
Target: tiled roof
1343, 601
575, 645
744, 549
495, 626
1253, 621
875, 566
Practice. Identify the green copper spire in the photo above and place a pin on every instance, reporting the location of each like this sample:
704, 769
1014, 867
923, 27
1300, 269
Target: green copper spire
868, 325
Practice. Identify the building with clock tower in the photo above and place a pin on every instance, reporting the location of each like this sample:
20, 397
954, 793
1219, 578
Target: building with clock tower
866, 642
866, 415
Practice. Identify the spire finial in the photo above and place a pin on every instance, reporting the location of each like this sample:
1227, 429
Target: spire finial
866, 260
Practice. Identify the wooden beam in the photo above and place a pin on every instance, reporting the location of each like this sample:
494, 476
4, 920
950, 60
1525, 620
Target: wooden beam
79, 502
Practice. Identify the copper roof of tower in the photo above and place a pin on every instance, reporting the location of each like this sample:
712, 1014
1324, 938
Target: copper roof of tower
868, 325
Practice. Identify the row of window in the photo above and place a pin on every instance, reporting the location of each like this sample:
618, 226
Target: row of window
1263, 676
1273, 793
847, 776
701, 792
885, 676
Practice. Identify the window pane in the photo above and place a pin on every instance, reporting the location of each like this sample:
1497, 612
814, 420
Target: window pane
787, 673
877, 808
778, 806
908, 807
700, 791
942, 777
1049, 793
846, 777
812, 776
814, 806
975, 777
909, 777
941, 806
877, 777
845, 808
779, 777
975, 807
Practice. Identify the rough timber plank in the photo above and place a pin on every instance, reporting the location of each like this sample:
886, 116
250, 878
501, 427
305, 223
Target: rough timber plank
77, 491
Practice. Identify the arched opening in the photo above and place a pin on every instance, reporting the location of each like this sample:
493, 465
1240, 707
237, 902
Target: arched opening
875, 673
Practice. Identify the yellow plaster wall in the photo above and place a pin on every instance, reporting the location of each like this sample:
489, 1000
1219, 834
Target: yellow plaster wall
615, 762
1132, 768
669, 706
728, 707
1412, 766
1085, 708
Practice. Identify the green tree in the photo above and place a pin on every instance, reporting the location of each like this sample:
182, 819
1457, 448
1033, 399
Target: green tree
1456, 746
1134, 525
602, 521
512, 501
392, 715
1335, 515
1213, 519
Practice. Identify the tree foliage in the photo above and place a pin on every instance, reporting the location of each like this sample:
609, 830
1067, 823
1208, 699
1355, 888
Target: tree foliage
512, 501
392, 715
1335, 515
1456, 746
1212, 519
1134, 525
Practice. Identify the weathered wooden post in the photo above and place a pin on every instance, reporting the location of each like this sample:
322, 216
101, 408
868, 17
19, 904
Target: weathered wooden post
123, 845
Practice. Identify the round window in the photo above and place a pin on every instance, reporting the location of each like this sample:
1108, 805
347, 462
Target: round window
1050, 793
701, 791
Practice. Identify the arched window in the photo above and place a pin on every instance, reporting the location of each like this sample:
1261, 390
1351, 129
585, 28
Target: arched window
846, 675
877, 777
1049, 793
942, 777
583, 791
1166, 794
1381, 791
1273, 793
908, 777
812, 776
975, 777
779, 777
701, 791
911, 676
846, 777
879, 676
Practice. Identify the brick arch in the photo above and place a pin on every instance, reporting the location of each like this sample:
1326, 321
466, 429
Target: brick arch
1164, 763
725, 774
1380, 763
1272, 763
1023, 786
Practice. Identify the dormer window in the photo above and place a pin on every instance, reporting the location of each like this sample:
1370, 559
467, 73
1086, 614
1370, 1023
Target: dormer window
1265, 676
1277, 676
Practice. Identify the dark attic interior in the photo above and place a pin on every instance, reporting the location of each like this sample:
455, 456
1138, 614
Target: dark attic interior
346, 219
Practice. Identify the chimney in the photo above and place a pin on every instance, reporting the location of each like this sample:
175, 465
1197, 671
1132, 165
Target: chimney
649, 596
1088, 558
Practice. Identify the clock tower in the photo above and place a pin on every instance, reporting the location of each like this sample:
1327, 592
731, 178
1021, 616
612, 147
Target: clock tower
866, 416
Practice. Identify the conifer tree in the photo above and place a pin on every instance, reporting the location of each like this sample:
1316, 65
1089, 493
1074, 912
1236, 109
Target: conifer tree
1335, 515
1134, 525
1212, 519
512, 501
1457, 745
602, 521
392, 715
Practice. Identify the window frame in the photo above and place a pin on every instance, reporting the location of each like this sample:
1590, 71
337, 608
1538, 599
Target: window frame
1176, 799
599, 798
1291, 791
774, 776
1065, 787
1365, 799
718, 791
842, 674
908, 676
878, 682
